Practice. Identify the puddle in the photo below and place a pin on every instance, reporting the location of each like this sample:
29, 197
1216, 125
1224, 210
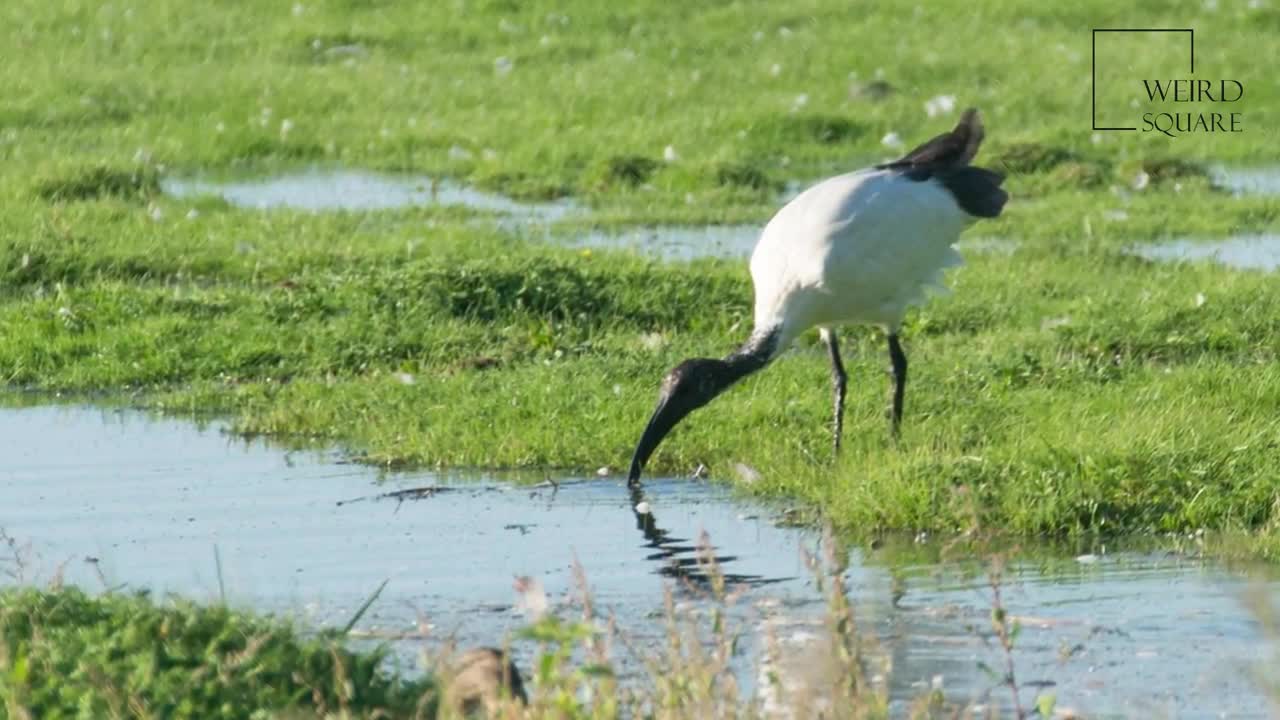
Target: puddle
325, 190
319, 190
1248, 181
683, 242
1242, 252
144, 502
677, 242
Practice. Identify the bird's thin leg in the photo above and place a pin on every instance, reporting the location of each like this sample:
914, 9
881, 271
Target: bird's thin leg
838, 379
899, 360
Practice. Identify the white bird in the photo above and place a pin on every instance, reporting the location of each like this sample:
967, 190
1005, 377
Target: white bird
858, 248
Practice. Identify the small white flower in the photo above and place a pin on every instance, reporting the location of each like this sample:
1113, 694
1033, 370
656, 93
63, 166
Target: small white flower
286, 127
1200, 299
298, 9
653, 341
503, 65
940, 105
457, 152
603, 471
155, 213
775, 70
220, 128
643, 508
1095, 138
800, 101
669, 154
192, 214
758, 36
784, 32
892, 140
1141, 181
405, 378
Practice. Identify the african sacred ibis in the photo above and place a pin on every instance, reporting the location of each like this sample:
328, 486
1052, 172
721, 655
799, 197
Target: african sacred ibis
856, 248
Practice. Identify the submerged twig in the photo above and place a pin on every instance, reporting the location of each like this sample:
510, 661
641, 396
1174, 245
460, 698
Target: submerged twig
416, 493
364, 608
217, 563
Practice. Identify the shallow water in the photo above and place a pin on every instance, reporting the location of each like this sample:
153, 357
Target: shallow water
319, 190
1243, 252
1248, 181
687, 242
127, 499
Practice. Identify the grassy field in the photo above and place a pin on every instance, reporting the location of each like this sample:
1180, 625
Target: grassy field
1066, 388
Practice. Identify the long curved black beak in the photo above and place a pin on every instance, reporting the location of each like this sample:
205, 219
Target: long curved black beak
664, 417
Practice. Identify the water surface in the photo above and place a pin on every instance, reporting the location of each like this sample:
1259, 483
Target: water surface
1242, 252
1248, 181
126, 499
319, 190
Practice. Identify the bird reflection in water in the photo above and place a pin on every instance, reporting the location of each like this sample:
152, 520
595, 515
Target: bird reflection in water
694, 565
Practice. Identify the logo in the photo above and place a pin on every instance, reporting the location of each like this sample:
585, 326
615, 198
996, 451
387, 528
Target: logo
1147, 65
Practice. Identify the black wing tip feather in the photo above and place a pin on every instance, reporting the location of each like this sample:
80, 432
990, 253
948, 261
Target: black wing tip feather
946, 157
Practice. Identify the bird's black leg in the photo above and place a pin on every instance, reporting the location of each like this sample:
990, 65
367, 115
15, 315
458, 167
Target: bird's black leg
838, 379
899, 360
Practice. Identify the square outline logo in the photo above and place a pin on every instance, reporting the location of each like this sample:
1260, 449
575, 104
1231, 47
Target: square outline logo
1093, 66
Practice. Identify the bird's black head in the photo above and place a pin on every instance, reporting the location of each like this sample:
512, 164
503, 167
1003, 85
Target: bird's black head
689, 386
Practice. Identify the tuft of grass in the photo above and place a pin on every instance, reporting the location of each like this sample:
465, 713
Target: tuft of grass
137, 184
746, 176
1029, 157
66, 654
625, 171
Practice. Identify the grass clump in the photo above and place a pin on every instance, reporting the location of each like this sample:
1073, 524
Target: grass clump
138, 184
1031, 157
745, 175
625, 171
67, 654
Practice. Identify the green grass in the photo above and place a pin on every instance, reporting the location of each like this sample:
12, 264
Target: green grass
64, 654
1066, 387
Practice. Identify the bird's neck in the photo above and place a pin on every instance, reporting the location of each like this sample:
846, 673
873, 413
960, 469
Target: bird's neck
755, 353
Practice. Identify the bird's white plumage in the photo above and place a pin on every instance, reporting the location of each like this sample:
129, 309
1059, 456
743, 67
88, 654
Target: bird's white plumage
856, 248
